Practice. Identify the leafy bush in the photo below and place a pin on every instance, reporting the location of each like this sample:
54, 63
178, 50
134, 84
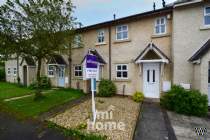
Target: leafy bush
138, 97
2, 74
107, 88
45, 83
188, 102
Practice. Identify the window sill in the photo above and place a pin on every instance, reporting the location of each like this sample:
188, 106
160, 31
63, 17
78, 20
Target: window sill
100, 44
122, 41
121, 80
78, 78
50, 76
160, 35
205, 27
77, 47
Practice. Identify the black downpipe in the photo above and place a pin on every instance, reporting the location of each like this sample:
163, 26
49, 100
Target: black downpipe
110, 53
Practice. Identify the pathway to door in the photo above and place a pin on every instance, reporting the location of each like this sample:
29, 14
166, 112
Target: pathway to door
153, 124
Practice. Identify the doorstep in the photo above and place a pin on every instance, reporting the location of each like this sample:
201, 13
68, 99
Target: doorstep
152, 100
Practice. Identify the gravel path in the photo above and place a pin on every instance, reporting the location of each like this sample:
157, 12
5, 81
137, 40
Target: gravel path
122, 109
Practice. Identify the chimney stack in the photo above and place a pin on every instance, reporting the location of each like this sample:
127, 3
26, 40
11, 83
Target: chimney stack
164, 3
114, 16
154, 6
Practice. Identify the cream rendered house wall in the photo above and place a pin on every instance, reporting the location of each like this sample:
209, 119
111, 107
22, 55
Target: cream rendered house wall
188, 36
11, 64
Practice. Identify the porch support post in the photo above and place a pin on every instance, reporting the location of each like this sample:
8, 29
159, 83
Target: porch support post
140, 69
162, 69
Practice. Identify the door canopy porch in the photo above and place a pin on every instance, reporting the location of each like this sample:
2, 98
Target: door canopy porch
152, 54
57, 60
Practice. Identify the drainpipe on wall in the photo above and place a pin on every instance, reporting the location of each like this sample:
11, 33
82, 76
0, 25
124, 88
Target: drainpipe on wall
110, 54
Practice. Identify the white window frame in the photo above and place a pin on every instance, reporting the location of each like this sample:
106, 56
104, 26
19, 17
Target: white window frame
159, 25
206, 15
101, 35
122, 32
77, 41
14, 71
100, 72
121, 71
8, 71
48, 71
81, 70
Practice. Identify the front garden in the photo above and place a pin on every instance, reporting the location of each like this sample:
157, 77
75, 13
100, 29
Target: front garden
116, 115
26, 106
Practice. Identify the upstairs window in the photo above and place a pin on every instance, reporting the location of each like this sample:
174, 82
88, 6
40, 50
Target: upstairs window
122, 32
78, 71
14, 71
77, 41
101, 36
122, 71
160, 25
207, 16
8, 71
50, 70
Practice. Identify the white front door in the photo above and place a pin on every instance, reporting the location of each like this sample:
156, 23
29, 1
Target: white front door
61, 76
151, 79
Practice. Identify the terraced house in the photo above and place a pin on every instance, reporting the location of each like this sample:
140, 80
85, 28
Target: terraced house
144, 52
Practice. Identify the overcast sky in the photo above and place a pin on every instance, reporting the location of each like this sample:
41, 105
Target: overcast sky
94, 11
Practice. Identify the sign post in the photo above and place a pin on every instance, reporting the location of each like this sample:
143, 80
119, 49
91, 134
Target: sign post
91, 72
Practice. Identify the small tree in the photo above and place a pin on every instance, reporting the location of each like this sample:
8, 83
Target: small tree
12, 33
47, 23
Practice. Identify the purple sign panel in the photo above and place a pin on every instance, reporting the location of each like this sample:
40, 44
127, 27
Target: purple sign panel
91, 61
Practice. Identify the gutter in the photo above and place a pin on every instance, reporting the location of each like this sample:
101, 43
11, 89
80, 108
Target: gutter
187, 3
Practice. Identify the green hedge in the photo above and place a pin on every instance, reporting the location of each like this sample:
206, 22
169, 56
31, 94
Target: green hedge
188, 102
107, 88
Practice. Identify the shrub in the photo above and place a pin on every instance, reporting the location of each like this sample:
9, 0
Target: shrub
188, 102
2, 74
107, 88
45, 83
138, 97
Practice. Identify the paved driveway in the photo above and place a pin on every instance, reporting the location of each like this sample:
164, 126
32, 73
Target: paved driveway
11, 129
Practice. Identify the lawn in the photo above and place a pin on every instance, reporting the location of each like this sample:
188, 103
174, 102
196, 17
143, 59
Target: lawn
8, 90
27, 107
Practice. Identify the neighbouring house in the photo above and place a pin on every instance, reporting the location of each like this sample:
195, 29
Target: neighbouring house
27, 70
144, 52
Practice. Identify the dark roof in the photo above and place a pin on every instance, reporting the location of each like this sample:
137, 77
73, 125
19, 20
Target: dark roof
202, 51
153, 45
29, 61
167, 9
99, 57
57, 59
